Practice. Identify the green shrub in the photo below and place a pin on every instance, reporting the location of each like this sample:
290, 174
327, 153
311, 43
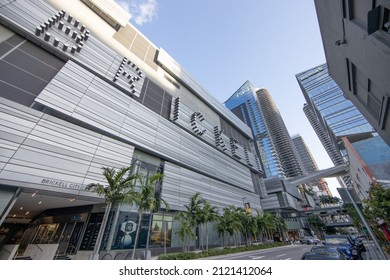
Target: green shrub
217, 252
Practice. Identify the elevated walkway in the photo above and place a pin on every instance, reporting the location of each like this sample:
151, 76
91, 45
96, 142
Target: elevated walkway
335, 171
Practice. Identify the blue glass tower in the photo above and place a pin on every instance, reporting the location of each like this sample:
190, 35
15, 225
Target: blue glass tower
325, 97
330, 113
244, 103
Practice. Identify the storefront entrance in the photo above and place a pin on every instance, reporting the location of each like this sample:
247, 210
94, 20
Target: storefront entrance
44, 225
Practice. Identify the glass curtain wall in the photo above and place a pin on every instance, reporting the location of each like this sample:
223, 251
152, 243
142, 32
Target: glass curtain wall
244, 104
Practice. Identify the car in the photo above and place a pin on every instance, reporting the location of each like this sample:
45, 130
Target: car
309, 240
361, 237
317, 240
323, 256
326, 252
345, 244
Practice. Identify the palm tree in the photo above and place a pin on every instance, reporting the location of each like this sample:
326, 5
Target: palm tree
232, 217
279, 224
117, 190
223, 226
316, 223
265, 223
329, 200
193, 211
185, 230
208, 214
146, 200
249, 227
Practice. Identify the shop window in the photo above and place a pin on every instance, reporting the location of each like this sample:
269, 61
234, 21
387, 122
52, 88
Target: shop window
161, 231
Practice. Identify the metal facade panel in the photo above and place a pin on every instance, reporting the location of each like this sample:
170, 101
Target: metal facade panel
53, 151
109, 109
175, 69
113, 10
180, 184
270, 202
73, 42
84, 93
167, 139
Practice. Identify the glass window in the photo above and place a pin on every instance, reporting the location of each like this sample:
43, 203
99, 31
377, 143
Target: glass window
161, 231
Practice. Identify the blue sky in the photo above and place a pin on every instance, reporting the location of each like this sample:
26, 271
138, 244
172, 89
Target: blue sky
223, 43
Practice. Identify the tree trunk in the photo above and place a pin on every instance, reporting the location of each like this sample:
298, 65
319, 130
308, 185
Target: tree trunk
114, 223
137, 234
207, 238
96, 249
200, 238
148, 235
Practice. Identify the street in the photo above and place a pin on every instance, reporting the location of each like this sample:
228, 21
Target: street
289, 252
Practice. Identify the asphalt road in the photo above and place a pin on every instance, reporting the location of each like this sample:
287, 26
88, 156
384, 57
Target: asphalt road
289, 252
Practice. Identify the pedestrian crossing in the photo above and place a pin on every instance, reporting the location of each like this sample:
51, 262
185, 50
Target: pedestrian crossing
255, 257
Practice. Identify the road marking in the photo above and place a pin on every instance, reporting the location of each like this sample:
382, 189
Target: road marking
256, 258
280, 255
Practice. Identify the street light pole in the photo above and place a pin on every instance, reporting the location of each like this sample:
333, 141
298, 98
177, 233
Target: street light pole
377, 245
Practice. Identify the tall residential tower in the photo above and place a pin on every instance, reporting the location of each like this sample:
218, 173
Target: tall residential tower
256, 108
309, 165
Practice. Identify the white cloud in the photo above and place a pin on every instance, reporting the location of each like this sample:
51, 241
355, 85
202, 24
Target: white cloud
142, 11
124, 4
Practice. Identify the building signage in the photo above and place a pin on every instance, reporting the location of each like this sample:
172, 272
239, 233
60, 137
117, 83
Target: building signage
65, 27
62, 184
316, 71
131, 74
195, 122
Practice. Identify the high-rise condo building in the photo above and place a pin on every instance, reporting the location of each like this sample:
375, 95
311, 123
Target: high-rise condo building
256, 108
309, 165
244, 104
279, 134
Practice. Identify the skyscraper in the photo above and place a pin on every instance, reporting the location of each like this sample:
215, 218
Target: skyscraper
256, 108
245, 104
330, 113
326, 140
279, 134
309, 165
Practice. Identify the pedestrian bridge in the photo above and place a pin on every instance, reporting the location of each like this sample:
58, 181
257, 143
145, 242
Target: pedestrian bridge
332, 216
335, 171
